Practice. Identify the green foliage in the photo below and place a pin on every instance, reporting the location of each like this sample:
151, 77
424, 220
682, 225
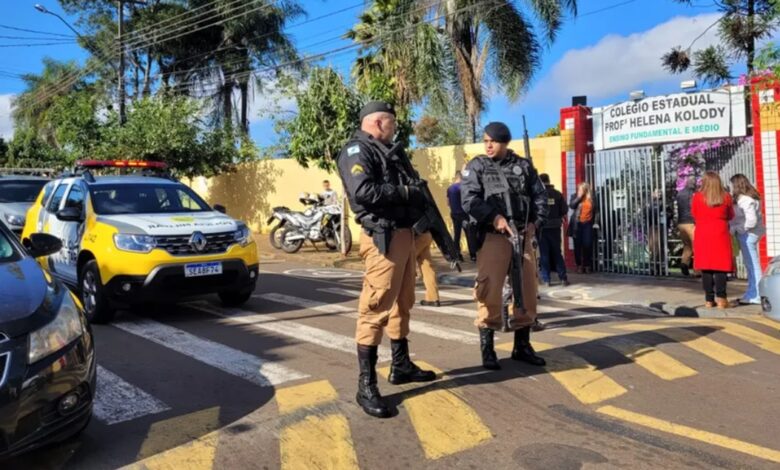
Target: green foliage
742, 25
28, 150
327, 115
551, 132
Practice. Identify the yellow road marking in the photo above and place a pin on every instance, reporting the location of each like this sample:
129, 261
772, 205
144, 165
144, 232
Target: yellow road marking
712, 349
318, 442
775, 324
188, 441
308, 395
444, 423
692, 433
654, 361
761, 340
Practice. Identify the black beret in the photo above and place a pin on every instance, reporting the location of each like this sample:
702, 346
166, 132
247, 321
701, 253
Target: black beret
498, 132
376, 107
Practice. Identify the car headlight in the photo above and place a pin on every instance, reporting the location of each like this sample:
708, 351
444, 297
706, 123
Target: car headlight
16, 220
135, 243
243, 235
57, 334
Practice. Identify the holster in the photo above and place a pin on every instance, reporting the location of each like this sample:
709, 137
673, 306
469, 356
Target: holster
380, 230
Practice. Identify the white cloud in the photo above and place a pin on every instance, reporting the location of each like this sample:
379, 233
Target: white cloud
6, 122
618, 64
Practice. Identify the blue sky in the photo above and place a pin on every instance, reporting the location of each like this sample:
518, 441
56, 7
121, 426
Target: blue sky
613, 47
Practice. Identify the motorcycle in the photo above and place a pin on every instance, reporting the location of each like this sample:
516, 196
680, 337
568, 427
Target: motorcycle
319, 223
280, 215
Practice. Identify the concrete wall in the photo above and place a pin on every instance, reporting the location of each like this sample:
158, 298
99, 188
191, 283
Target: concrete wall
251, 192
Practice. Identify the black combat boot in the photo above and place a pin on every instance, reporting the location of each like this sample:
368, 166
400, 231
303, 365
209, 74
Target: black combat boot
523, 351
368, 396
489, 359
403, 370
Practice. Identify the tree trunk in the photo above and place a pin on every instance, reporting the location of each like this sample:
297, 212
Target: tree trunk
227, 103
244, 86
751, 46
147, 88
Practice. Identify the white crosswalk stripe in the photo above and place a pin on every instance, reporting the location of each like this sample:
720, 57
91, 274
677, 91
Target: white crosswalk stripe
290, 329
436, 331
117, 401
225, 358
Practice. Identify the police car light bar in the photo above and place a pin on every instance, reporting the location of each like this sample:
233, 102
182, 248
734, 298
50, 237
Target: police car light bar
120, 164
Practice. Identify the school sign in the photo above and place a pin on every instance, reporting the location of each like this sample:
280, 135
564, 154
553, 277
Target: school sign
671, 118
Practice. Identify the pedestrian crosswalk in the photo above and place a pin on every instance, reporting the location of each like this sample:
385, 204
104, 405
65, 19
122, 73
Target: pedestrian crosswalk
315, 419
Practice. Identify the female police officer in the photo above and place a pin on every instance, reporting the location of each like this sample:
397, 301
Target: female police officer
486, 180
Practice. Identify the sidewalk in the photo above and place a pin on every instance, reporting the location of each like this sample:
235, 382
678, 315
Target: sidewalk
673, 296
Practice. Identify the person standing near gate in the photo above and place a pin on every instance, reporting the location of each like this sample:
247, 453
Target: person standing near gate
487, 183
422, 244
550, 253
386, 204
748, 225
685, 223
581, 223
712, 210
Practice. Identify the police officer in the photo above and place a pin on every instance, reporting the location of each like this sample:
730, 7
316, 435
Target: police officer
483, 200
386, 204
422, 245
550, 235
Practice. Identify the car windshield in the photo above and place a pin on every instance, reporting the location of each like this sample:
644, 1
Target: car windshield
145, 199
7, 251
20, 190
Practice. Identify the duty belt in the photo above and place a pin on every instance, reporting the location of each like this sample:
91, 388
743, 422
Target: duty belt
380, 230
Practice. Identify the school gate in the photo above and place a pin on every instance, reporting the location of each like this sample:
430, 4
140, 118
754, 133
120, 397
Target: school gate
636, 156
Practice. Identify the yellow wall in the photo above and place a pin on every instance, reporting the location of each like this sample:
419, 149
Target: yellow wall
251, 192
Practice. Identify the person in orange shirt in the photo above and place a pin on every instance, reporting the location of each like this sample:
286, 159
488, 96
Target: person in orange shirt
584, 210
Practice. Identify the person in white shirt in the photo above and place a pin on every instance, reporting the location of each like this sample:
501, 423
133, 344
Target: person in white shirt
329, 196
748, 226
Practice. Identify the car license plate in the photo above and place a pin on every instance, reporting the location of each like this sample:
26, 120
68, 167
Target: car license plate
202, 269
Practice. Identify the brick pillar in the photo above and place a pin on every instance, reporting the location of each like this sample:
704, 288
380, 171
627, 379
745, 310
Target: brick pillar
766, 135
576, 143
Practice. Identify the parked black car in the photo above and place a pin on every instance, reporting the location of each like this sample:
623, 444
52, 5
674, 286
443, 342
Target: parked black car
47, 357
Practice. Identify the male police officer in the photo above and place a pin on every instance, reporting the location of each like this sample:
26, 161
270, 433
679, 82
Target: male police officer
484, 182
386, 204
550, 235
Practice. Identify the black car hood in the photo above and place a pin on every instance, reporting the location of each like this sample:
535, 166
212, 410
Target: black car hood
29, 298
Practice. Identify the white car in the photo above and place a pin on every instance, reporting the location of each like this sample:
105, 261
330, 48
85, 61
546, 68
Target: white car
769, 289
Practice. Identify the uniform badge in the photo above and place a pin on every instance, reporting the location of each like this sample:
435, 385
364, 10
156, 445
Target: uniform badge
517, 170
465, 173
357, 169
353, 150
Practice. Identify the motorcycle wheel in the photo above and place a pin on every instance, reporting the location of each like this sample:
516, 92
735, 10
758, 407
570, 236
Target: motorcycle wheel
334, 241
276, 235
290, 246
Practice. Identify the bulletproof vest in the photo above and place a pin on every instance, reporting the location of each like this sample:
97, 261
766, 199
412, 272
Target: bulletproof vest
514, 181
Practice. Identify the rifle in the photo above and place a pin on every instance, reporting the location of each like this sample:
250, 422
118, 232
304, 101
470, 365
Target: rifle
431, 221
526, 142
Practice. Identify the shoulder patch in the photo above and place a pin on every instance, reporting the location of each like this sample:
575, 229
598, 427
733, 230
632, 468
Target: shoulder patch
353, 150
465, 172
517, 170
357, 168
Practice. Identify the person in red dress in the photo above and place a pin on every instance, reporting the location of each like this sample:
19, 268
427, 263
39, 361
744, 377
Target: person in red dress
712, 210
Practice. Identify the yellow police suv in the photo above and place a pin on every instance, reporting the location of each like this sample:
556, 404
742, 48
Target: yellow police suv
139, 238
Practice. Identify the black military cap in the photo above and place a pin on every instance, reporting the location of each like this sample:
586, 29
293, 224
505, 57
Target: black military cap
499, 132
376, 107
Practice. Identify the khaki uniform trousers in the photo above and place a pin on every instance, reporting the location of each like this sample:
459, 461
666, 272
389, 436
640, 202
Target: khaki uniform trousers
422, 244
388, 288
493, 261
686, 235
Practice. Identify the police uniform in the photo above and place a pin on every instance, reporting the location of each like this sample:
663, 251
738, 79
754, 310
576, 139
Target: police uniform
422, 245
386, 204
551, 257
483, 205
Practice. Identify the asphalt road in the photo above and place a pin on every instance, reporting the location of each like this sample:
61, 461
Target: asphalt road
272, 385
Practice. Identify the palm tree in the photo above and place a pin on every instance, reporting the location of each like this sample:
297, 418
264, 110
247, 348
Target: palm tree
742, 24
494, 42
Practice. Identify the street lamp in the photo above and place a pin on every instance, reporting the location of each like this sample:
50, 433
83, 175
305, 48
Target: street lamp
45, 11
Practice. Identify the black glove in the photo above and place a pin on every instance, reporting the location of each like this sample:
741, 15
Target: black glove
412, 195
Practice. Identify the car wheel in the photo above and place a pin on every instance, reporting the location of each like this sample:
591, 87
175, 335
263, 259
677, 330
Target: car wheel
96, 306
234, 298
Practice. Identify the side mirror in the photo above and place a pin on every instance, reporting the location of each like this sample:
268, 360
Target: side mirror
220, 208
42, 244
70, 214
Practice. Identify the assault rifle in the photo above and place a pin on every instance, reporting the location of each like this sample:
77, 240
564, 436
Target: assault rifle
526, 142
431, 221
